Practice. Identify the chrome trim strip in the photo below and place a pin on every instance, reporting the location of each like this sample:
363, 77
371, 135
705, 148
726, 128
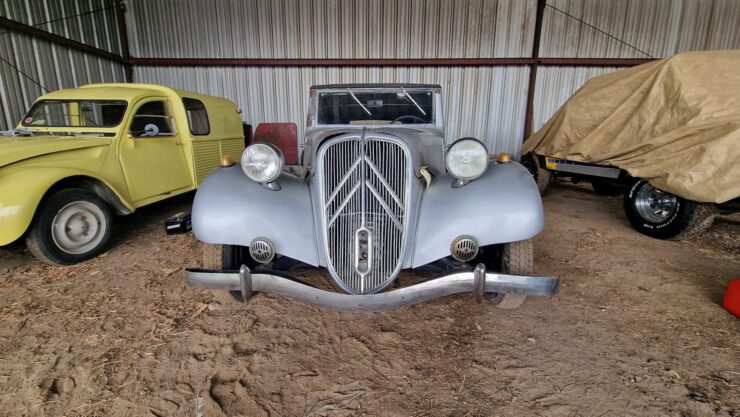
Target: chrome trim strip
344, 203
454, 283
383, 204
383, 181
341, 182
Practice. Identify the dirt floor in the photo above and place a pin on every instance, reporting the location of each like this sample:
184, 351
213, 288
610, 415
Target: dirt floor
636, 331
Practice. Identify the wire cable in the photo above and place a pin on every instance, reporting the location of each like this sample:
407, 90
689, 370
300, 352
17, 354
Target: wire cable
10, 64
67, 17
599, 30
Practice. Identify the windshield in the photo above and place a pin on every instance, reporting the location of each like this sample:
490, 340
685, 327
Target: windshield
360, 107
72, 113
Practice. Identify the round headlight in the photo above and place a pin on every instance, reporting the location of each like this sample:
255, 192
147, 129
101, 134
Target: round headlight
467, 159
262, 162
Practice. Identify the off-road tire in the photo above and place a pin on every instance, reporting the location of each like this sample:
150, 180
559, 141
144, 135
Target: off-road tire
690, 218
517, 258
542, 177
39, 240
605, 188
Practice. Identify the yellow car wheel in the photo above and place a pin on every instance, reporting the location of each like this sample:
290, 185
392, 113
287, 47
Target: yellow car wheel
70, 226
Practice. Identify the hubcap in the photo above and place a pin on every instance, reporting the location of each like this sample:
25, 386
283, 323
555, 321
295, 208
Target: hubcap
655, 205
78, 227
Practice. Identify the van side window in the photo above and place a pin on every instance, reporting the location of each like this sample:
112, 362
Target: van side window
197, 116
152, 119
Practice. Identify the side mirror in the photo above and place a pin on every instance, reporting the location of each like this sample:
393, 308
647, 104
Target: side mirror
283, 135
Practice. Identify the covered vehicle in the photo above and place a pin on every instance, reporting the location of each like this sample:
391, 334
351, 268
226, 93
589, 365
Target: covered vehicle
81, 155
668, 132
375, 191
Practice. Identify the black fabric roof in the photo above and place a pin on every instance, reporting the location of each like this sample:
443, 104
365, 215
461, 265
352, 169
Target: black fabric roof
374, 85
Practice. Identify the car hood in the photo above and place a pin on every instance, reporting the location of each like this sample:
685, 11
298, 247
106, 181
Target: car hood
18, 148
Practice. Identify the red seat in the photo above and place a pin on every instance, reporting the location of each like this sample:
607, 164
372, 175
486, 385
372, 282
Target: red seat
283, 135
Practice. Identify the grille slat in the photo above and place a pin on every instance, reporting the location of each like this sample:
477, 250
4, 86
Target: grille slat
365, 182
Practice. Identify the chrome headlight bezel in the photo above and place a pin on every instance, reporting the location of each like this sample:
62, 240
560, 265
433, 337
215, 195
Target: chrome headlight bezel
452, 166
267, 149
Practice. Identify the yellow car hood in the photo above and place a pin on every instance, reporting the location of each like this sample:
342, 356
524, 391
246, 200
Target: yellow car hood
18, 148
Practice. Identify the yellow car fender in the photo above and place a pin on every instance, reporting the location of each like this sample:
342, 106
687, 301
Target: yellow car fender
22, 191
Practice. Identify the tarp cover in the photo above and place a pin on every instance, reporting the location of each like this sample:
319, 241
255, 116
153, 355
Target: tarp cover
674, 122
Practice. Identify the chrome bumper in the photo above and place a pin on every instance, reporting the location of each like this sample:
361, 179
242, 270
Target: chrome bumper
477, 282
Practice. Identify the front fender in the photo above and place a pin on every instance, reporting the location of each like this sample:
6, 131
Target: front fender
20, 194
501, 206
231, 209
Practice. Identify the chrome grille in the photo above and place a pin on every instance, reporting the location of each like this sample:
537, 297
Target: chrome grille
364, 191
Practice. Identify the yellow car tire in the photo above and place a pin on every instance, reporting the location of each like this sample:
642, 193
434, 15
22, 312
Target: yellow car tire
70, 226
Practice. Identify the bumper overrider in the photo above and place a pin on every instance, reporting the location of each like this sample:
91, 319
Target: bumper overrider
479, 282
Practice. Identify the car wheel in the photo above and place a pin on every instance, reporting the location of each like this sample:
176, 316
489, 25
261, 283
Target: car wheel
517, 258
228, 258
542, 177
70, 226
662, 215
602, 187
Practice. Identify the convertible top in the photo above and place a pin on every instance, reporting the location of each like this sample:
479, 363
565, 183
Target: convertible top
373, 85
674, 122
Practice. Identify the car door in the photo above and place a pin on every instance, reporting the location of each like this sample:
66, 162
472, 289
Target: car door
151, 155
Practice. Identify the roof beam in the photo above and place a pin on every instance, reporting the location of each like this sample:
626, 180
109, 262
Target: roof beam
59, 40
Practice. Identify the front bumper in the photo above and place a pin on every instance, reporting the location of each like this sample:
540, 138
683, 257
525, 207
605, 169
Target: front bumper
477, 282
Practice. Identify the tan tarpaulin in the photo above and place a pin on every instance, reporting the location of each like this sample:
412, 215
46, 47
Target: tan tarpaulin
674, 122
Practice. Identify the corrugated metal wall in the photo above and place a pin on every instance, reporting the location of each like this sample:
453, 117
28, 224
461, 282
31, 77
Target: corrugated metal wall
481, 102
331, 28
658, 28
54, 67
487, 103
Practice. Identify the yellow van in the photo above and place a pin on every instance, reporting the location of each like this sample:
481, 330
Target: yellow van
81, 155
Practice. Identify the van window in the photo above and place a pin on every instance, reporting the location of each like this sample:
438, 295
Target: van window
75, 113
152, 119
197, 117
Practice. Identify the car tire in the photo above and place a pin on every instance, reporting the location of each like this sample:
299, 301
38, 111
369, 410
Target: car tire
605, 188
542, 177
663, 215
517, 258
227, 258
70, 226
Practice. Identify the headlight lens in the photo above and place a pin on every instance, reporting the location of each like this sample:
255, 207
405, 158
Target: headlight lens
467, 159
262, 162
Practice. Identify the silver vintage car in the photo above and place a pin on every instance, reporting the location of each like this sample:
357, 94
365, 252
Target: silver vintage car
375, 191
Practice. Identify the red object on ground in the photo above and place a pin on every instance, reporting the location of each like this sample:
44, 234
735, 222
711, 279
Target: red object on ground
283, 135
731, 301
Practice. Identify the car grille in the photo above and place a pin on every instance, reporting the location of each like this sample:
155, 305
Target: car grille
364, 191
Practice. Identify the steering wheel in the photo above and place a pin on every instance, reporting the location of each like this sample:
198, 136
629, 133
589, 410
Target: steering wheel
411, 117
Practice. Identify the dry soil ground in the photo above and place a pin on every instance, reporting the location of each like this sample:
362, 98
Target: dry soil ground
637, 330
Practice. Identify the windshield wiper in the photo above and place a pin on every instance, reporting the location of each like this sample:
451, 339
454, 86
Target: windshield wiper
359, 102
413, 101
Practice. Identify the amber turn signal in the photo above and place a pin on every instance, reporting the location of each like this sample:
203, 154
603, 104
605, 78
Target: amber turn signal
504, 158
226, 161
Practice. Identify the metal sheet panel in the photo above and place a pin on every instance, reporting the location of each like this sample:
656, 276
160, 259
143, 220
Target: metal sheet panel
47, 65
331, 28
659, 28
555, 85
486, 103
92, 22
